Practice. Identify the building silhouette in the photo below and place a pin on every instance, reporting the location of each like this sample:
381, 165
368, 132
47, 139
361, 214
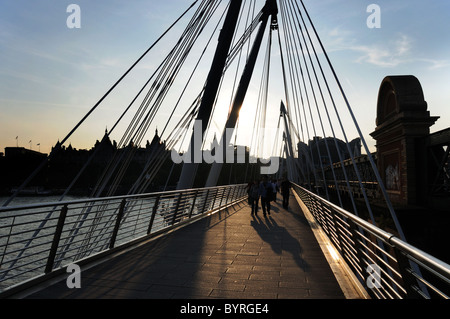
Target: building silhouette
327, 150
65, 164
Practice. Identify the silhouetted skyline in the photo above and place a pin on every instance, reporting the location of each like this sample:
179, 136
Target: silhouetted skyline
52, 75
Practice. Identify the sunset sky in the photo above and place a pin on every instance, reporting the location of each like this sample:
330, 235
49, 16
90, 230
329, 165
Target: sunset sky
51, 75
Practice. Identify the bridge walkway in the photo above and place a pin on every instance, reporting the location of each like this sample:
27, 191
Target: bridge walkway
231, 254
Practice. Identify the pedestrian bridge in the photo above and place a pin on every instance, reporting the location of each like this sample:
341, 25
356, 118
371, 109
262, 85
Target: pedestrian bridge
198, 242
204, 243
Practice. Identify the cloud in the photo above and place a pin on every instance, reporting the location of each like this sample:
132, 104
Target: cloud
436, 64
391, 54
339, 39
395, 53
386, 54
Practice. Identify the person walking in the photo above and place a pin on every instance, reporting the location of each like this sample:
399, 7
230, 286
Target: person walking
249, 186
274, 190
254, 197
266, 192
285, 191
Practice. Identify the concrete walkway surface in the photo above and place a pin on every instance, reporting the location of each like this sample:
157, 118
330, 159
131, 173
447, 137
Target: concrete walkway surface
231, 255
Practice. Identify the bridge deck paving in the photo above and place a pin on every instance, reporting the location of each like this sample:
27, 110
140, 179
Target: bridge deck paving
231, 254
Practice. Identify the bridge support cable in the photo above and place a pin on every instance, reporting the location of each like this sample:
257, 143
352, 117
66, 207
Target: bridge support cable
290, 126
332, 129
290, 78
356, 126
293, 15
293, 38
334, 137
139, 125
173, 139
211, 87
162, 84
324, 103
294, 35
374, 167
259, 133
308, 53
165, 75
290, 156
153, 168
296, 41
150, 169
270, 9
296, 46
59, 144
156, 160
305, 49
182, 127
165, 61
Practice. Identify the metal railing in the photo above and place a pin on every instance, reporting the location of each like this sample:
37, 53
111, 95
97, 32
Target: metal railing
386, 266
36, 240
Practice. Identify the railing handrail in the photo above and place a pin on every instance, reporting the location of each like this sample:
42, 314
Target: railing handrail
84, 228
103, 199
435, 264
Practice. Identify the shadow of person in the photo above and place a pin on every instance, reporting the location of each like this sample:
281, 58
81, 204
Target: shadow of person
279, 238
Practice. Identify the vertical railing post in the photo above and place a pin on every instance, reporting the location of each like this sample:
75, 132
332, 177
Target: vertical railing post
193, 204
227, 191
319, 215
325, 221
337, 227
359, 249
117, 225
233, 196
409, 281
154, 210
56, 239
222, 197
313, 207
206, 201
176, 208
230, 194
215, 197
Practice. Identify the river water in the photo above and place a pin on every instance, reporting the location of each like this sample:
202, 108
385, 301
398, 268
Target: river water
26, 222
30, 200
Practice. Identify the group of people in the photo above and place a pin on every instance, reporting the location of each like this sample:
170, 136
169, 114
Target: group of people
267, 190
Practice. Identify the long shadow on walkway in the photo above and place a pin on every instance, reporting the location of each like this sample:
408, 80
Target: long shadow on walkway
279, 238
228, 255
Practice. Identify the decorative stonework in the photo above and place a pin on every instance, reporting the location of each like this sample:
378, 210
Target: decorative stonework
403, 123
